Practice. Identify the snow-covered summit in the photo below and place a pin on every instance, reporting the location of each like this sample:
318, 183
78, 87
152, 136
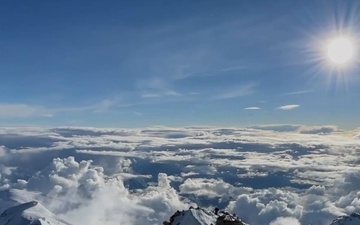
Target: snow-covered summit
198, 216
353, 219
193, 217
29, 213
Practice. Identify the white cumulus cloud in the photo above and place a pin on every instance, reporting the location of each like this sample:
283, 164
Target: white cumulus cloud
142, 176
285, 221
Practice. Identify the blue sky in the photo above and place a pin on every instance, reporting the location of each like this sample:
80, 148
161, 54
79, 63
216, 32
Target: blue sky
178, 63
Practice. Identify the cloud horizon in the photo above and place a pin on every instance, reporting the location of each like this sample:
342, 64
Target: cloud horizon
263, 175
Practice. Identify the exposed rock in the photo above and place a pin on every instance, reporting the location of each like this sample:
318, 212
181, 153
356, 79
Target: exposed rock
227, 219
353, 219
198, 216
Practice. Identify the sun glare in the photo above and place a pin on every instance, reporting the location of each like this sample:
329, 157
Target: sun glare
340, 51
334, 53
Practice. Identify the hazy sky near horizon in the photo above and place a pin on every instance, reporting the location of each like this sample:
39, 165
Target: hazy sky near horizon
140, 63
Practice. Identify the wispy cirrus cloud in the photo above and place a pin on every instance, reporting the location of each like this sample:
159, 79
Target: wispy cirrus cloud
98, 107
150, 95
168, 93
23, 110
13, 110
105, 105
233, 68
299, 92
288, 107
239, 91
252, 108
171, 93
156, 87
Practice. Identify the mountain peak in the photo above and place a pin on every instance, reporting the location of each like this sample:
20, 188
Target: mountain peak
198, 216
353, 219
29, 213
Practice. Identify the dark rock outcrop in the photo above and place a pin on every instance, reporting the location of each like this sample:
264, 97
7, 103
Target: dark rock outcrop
353, 219
198, 216
227, 219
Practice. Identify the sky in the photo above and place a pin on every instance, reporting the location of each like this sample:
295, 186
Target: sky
177, 63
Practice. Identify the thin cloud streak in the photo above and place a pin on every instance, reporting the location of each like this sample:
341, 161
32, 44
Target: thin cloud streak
288, 107
22, 110
252, 108
150, 95
239, 91
299, 92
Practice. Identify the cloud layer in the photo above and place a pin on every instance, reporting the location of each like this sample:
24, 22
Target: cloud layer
94, 176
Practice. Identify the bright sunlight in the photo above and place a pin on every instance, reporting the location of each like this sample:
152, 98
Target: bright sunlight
340, 51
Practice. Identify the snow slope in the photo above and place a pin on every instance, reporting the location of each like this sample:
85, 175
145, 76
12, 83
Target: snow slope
29, 213
195, 217
353, 219
200, 216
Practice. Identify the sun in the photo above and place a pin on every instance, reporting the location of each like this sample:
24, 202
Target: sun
340, 51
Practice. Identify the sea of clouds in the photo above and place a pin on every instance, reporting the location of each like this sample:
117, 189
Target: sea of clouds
277, 174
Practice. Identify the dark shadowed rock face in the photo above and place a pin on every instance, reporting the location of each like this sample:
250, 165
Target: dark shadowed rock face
198, 216
227, 219
353, 219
